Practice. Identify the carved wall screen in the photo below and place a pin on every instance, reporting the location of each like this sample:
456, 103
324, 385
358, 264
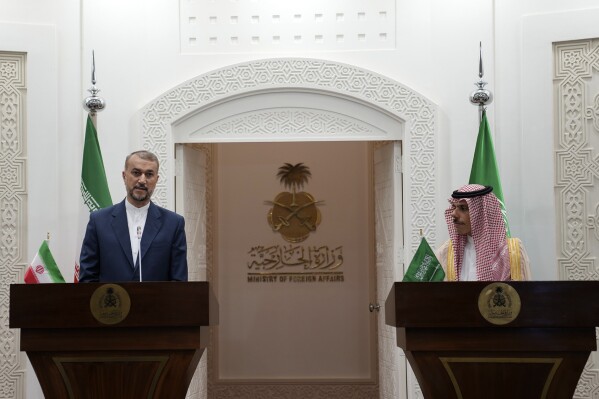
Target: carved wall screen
576, 97
13, 213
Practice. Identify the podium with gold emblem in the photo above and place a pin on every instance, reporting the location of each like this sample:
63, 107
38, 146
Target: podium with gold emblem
496, 340
124, 340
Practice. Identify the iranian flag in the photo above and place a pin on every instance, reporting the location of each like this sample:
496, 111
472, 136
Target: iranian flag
94, 187
43, 268
484, 169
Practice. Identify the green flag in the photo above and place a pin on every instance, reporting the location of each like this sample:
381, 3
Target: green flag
424, 265
484, 166
94, 187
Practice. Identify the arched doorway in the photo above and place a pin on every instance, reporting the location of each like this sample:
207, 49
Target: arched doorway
264, 100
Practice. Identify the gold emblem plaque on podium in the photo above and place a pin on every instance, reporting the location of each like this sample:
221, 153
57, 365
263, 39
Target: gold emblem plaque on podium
123, 340
473, 340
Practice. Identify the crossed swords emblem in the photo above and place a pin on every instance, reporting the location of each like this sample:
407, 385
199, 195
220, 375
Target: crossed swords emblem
295, 221
284, 221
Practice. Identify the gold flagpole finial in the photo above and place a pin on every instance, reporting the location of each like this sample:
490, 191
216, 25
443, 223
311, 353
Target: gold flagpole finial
420, 232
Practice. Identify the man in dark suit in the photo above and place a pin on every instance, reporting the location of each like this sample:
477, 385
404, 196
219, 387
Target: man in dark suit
135, 240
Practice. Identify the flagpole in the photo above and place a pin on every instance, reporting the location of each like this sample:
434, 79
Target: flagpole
94, 187
481, 96
484, 165
434, 272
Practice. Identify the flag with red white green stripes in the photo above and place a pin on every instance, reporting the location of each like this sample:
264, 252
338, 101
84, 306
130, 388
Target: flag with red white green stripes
43, 268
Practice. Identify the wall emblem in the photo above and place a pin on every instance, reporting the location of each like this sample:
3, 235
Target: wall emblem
294, 214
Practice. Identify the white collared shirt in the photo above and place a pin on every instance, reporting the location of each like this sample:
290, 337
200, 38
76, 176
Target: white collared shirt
136, 217
468, 271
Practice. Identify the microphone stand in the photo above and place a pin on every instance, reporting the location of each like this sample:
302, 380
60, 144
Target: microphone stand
139, 250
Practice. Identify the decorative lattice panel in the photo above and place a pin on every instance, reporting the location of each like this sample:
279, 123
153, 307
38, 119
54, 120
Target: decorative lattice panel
290, 122
576, 88
13, 210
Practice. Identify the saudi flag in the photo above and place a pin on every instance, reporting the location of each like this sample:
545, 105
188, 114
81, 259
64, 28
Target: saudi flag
43, 268
424, 265
484, 166
94, 187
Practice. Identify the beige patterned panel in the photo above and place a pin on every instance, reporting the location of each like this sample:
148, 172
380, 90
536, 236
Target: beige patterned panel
195, 177
576, 88
13, 211
388, 241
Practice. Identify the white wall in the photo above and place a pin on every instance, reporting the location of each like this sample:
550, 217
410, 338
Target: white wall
54, 120
523, 114
436, 55
137, 58
32, 30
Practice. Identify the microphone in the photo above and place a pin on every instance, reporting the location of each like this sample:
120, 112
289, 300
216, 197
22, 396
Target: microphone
139, 250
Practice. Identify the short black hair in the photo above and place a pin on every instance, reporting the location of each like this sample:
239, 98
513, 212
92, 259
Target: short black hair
145, 155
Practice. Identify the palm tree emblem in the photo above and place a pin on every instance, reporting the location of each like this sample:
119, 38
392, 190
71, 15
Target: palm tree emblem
294, 214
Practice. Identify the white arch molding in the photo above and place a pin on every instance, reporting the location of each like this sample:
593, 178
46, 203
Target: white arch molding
308, 75
298, 99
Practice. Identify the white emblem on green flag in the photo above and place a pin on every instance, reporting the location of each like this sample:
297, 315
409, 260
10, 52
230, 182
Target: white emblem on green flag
424, 265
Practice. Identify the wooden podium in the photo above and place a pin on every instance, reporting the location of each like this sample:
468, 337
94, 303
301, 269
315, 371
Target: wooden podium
475, 340
122, 340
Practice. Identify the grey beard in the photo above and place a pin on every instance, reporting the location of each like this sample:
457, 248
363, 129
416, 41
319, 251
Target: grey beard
142, 197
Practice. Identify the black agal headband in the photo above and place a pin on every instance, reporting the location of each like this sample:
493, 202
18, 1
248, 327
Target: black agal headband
470, 194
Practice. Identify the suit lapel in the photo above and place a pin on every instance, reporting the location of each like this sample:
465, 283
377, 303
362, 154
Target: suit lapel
121, 230
153, 225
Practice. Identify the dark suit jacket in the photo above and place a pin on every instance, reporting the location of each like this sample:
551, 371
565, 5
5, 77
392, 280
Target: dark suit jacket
106, 250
